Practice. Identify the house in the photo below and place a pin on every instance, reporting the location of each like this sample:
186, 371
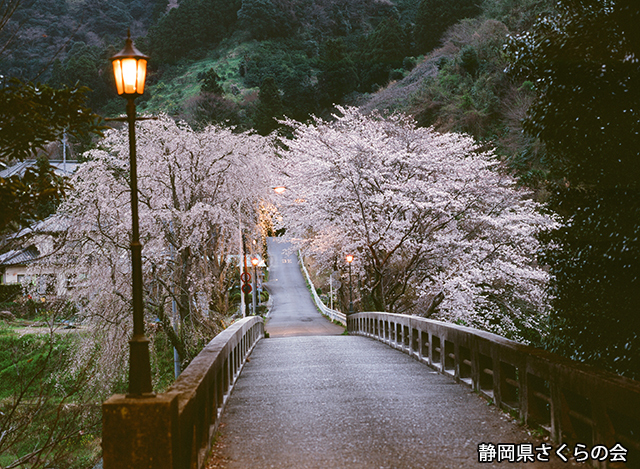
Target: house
13, 264
61, 168
31, 244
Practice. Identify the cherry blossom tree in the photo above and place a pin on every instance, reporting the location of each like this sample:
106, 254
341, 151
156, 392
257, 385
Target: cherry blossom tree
195, 189
430, 218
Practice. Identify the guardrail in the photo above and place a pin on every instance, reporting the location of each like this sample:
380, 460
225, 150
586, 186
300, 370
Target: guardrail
575, 403
174, 430
330, 313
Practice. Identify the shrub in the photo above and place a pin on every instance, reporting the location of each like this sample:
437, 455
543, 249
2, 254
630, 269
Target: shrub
8, 293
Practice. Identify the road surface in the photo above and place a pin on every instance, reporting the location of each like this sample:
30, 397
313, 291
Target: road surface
311, 398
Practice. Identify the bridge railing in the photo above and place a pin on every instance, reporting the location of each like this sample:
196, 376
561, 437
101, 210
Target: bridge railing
330, 313
174, 430
574, 402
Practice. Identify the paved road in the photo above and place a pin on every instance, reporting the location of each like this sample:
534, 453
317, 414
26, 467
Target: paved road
293, 312
309, 399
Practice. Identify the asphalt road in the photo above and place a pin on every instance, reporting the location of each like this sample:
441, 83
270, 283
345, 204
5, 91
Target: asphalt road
309, 398
293, 312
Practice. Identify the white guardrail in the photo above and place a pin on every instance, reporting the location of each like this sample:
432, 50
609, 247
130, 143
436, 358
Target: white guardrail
330, 313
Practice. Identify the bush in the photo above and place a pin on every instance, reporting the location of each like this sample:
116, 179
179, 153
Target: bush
8, 293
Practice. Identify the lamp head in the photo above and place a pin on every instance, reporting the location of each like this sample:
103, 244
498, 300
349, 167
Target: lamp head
255, 261
349, 258
130, 70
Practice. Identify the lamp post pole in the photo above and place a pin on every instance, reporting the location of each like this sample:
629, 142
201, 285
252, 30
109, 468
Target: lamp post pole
254, 296
349, 261
129, 67
139, 362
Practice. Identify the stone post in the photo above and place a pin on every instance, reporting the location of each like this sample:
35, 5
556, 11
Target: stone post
140, 433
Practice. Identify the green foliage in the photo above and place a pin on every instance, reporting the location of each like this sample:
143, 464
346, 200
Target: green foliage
44, 414
188, 30
207, 108
385, 50
266, 18
269, 107
338, 75
466, 93
179, 91
22, 357
436, 16
9, 293
282, 60
211, 82
469, 60
594, 260
584, 63
31, 197
89, 67
517, 15
38, 32
31, 115
162, 367
291, 69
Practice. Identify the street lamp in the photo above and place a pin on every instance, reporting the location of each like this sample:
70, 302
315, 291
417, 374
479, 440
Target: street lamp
349, 261
255, 261
129, 70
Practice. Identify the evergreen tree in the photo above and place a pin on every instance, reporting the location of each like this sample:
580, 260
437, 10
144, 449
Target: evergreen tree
436, 16
269, 107
32, 115
584, 62
86, 66
211, 82
191, 28
385, 48
265, 19
33, 196
338, 75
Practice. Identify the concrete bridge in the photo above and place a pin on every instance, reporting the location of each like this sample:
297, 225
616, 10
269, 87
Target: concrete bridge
419, 396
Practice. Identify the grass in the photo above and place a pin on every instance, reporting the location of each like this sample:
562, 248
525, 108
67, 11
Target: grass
23, 355
180, 82
40, 398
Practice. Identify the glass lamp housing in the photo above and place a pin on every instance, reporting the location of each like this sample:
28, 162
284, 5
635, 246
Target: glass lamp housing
130, 70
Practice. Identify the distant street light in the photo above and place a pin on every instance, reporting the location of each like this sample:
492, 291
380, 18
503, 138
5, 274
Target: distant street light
279, 190
130, 70
255, 261
349, 261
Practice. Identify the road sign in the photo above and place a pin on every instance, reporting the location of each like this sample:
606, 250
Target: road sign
245, 277
246, 288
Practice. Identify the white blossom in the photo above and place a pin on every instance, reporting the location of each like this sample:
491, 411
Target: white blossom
195, 188
423, 213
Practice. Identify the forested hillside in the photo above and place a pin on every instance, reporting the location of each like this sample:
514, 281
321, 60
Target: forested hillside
67, 42
246, 62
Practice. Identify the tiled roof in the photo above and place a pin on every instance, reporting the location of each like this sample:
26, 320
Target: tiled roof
54, 224
19, 256
60, 168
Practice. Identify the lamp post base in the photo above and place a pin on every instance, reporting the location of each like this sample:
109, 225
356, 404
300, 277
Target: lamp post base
139, 368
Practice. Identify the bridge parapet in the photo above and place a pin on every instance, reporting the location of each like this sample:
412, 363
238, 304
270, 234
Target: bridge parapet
332, 314
573, 402
174, 430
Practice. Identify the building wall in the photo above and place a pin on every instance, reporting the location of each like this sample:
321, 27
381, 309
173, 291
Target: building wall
11, 274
